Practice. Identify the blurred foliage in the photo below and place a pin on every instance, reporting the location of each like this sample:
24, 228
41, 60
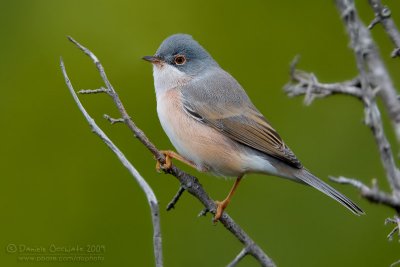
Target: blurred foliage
61, 185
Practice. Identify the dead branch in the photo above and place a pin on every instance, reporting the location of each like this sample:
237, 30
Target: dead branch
373, 81
151, 197
383, 16
373, 193
370, 65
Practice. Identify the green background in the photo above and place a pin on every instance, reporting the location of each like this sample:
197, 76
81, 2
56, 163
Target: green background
61, 185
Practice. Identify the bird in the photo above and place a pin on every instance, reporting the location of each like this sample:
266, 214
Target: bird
214, 126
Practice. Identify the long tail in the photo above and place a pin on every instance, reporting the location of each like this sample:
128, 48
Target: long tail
308, 178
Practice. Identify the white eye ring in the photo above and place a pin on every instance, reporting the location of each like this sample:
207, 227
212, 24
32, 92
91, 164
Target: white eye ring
180, 59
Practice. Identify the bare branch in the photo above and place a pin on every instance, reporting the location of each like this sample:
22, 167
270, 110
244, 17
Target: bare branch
307, 84
370, 65
303, 83
203, 212
151, 198
131, 125
383, 16
93, 91
373, 193
374, 122
189, 182
395, 263
112, 120
373, 80
172, 203
396, 221
238, 258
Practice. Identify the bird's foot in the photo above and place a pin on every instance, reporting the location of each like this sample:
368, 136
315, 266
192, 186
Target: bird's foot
168, 162
169, 154
221, 206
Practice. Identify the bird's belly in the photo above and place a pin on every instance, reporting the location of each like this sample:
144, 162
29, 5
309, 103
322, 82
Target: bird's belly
197, 142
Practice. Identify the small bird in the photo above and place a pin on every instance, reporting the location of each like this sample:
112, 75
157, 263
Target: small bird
213, 124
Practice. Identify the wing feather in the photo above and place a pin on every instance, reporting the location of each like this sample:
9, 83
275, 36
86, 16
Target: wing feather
221, 103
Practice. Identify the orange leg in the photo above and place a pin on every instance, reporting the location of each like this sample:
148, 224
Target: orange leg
221, 206
168, 162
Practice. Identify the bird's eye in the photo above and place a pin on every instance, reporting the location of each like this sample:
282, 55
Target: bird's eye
180, 59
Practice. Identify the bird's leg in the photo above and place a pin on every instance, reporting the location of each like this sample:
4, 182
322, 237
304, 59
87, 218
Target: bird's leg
169, 154
221, 205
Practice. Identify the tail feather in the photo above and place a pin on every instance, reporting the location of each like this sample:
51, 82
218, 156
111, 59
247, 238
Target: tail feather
308, 178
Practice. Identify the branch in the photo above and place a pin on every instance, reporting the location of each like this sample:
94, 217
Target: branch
370, 65
396, 222
373, 194
238, 258
395, 263
373, 80
383, 16
189, 182
374, 122
172, 203
151, 198
373, 74
303, 83
112, 120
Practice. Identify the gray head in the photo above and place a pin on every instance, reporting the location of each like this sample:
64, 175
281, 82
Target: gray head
184, 53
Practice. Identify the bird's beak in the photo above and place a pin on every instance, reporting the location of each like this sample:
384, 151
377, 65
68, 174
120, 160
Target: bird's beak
152, 59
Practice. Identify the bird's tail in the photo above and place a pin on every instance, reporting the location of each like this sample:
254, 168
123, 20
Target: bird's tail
308, 178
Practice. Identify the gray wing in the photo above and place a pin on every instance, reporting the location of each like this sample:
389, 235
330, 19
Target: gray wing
219, 101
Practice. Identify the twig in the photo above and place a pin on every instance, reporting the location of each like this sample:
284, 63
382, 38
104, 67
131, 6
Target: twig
172, 203
396, 221
93, 91
151, 198
383, 16
203, 212
303, 83
112, 120
238, 258
373, 193
395, 263
188, 181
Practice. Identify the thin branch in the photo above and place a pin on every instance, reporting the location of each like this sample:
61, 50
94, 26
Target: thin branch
373, 193
172, 203
93, 91
131, 125
151, 198
374, 122
112, 120
396, 222
190, 182
371, 67
383, 16
395, 263
238, 258
307, 84
203, 212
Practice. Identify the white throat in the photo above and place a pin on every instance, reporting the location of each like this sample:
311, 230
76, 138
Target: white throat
167, 77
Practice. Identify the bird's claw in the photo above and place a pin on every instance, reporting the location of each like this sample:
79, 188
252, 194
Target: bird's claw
220, 209
166, 166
